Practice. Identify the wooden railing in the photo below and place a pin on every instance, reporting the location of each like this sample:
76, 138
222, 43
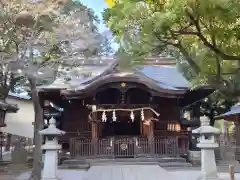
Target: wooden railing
114, 147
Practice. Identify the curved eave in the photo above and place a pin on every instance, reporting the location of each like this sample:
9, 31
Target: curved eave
193, 96
121, 77
233, 114
230, 117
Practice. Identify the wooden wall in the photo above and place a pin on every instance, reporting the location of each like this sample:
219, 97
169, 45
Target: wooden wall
169, 114
75, 122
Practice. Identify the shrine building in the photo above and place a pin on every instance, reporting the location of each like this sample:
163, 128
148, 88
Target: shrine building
110, 113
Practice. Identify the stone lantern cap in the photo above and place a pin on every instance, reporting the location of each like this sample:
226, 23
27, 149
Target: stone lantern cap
52, 130
205, 128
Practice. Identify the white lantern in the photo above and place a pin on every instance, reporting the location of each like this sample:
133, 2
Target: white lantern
114, 118
104, 117
132, 116
142, 115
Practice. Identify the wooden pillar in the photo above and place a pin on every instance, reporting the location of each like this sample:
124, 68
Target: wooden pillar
141, 127
94, 123
151, 138
95, 134
151, 129
94, 130
150, 132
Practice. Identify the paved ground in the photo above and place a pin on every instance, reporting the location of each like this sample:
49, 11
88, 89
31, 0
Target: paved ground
7, 177
62, 174
130, 172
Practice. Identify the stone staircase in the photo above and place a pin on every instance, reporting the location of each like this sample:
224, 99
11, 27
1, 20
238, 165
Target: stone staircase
87, 163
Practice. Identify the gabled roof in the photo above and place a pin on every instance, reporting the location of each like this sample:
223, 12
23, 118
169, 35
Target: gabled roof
235, 110
136, 77
163, 77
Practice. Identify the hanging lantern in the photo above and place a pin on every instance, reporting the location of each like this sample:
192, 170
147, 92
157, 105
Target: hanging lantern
104, 117
132, 116
142, 115
114, 118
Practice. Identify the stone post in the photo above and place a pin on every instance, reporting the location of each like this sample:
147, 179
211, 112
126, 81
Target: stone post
51, 147
225, 128
207, 145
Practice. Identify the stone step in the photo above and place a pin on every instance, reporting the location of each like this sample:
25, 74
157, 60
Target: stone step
77, 166
143, 159
164, 165
163, 162
175, 164
226, 163
109, 160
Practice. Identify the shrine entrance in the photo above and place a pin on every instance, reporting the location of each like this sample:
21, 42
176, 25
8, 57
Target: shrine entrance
124, 126
123, 133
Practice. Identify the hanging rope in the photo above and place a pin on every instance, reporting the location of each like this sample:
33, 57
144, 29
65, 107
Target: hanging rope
121, 109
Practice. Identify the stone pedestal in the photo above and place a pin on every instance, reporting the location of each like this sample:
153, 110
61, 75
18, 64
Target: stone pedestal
50, 161
51, 155
207, 145
208, 165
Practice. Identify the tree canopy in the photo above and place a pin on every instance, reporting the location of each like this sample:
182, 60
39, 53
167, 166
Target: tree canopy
204, 35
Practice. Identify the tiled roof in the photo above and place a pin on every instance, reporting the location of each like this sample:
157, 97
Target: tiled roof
167, 76
235, 110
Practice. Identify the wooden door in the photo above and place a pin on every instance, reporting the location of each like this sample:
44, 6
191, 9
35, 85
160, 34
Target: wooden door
124, 147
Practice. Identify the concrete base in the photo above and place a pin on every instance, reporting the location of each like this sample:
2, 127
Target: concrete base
237, 168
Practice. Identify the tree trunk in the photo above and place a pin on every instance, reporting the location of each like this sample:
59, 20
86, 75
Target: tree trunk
212, 121
38, 125
211, 118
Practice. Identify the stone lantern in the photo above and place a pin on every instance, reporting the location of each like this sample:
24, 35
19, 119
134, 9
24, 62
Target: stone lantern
207, 145
4, 109
51, 147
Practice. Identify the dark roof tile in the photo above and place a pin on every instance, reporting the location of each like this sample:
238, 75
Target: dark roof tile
166, 75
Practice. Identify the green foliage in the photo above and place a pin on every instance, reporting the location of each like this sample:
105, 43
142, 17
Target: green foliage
216, 104
205, 34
